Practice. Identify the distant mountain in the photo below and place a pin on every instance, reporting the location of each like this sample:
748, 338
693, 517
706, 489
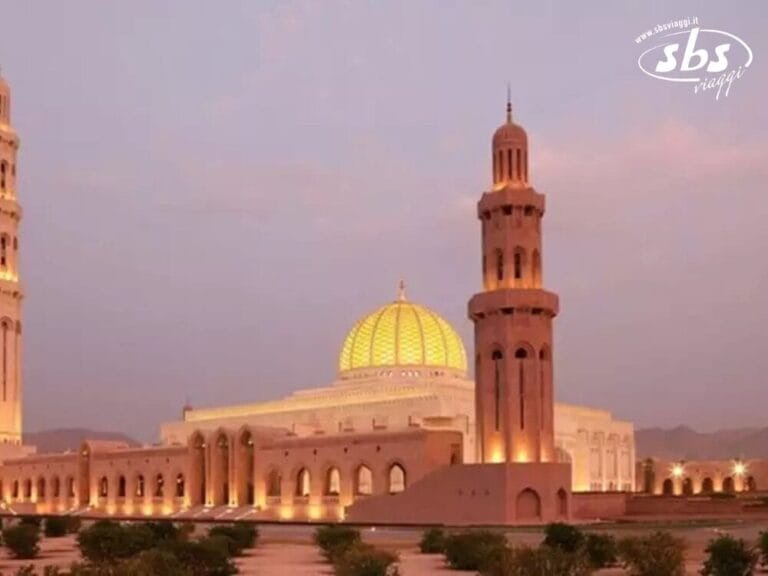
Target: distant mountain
685, 443
63, 439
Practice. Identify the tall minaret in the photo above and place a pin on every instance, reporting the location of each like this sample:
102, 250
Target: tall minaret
513, 314
10, 288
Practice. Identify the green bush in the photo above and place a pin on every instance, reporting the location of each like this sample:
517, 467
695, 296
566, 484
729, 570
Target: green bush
541, 561
107, 542
365, 560
163, 530
22, 540
334, 540
565, 537
74, 524
727, 556
473, 550
657, 554
55, 527
36, 521
762, 545
237, 536
204, 557
600, 549
432, 541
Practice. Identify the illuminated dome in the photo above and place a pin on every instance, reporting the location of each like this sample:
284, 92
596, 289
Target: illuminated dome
402, 335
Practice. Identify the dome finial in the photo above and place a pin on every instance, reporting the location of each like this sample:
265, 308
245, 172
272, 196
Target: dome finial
509, 104
401, 291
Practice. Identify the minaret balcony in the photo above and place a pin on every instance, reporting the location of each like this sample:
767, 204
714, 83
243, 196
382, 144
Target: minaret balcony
496, 200
512, 300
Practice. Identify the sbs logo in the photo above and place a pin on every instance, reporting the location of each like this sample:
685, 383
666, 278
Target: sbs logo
710, 59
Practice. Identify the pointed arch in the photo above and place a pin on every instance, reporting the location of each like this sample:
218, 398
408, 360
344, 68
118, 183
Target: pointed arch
363, 480
536, 268
303, 483
121, 486
397, 479
332, 485
274, 483
528, 505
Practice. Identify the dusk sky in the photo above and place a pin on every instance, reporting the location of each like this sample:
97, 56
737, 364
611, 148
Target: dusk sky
214, 193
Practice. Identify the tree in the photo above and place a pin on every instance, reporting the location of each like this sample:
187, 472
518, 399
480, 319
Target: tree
22, 541
727, 556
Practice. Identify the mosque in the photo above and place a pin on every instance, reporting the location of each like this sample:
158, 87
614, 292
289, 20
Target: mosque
403, 435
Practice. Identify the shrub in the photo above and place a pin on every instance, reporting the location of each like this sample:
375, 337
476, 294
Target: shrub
155, 562
334, 540
163, 530
473, 550
36, 521
238, 537
204, 557
73, 524
600, 550
22, 541
541, 561
106, 542
563, 536
364, 560
762, 545
657, 554
55, 527
727, 556
432, 541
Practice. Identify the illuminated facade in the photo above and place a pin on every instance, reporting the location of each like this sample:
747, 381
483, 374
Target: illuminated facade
396, 437
10, 288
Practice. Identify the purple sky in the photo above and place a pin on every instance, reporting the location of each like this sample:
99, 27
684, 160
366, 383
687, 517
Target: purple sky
214, 192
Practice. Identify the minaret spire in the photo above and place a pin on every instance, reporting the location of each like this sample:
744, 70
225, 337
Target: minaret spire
401, 291
509, 103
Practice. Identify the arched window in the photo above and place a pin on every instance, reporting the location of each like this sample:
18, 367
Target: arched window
121, 487
159, 486
536, 269
707, 486
728, 484
521, 354
103, 487
274, 484
751, 484
687, 486
363, 480
3, 251
501, 166
41, 488
27, 489
498, 358
303, 483
3, 172
332, 482
509, 163
140, 486
15, 491
179, 485
70, 487
518, 164
518, 264
56, 487
396, 479
499, 265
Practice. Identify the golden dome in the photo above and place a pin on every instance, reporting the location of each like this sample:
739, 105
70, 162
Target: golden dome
402, 334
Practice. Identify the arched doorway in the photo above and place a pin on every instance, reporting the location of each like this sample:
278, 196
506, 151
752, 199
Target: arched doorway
668, 487
220, 466
750, 484
245, 469
728, 485
687, 487
707, 486
528, 505
198, 472
562, 503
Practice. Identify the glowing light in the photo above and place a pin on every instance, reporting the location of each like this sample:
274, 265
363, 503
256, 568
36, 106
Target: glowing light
739, 468
147, 510
677, 470
522, 456
286, 513
315, 512
497, 456
402, 333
